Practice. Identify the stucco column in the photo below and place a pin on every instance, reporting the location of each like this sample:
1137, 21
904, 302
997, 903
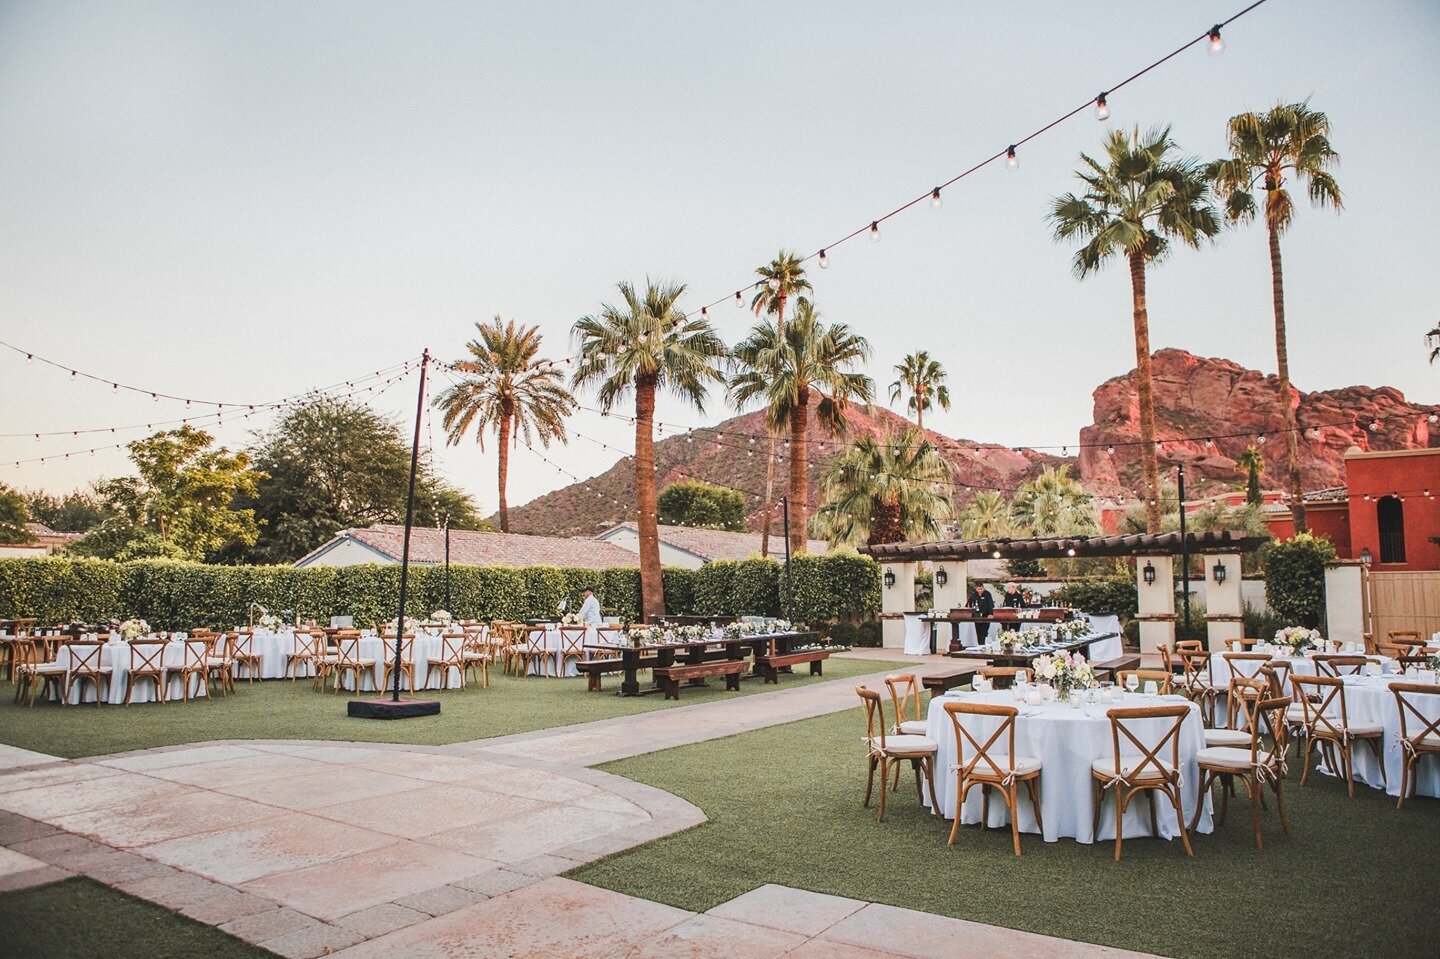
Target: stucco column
1345, 604
1224, 609
956, 589
895, 599
1157, 602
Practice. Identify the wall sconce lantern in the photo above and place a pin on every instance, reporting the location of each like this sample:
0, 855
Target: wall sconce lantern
941, 577
1366, 556
889, 577
1219, 573
1149, 573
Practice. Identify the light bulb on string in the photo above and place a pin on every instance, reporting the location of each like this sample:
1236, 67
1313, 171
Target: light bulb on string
935, 201
1102, 109
1012, 162
738, 301
29, 357
1217, 45
72, 374
874, 231
825, 265
774, 284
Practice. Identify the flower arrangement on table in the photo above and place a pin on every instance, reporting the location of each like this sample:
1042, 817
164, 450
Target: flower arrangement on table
441, 616
692, 633
738, 630
1012, 639
270, 621
134, 629
779, 626
1297, 639
1072, 629
570, 619
1065, 672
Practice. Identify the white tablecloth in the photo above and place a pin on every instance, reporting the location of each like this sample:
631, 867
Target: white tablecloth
1106, 648
116, 655
1368, 699
1067, 740
273, 647
917, 635
382, 651
1220, 671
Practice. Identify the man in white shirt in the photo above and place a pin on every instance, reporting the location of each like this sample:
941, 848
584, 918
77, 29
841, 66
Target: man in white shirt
590, 610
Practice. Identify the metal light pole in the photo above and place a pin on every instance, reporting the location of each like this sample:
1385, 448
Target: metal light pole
789, 588
409, 518
447, 564
1184, 546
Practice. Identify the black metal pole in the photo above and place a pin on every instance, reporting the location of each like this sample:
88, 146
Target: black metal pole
447, 564
409, 518
1184, 548
789, 589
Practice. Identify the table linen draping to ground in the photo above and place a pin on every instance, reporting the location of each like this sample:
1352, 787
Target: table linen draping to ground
1368, 699
274, 649
917, 635
116, 655
1067, 739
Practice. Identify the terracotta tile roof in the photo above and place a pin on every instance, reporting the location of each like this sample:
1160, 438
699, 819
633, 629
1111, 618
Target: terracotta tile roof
39, 530
427, 545
713, 544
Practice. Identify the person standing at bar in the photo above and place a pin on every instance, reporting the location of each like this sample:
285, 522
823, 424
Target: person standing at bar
983, 605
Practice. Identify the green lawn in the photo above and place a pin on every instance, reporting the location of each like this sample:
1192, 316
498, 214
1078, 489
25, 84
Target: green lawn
1356, 878
83, 919
279, 709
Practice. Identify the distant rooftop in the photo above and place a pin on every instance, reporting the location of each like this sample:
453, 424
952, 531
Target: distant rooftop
470, 547
717, 544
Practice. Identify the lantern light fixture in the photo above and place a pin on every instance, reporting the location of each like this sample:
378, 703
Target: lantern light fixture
1219, 572
941, 577
889, 578
1149, 573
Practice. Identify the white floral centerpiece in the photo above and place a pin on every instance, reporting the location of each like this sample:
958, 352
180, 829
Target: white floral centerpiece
693, 633
780, 626
737, 630
1072, 629
134, 629
570, 619
441, 616
269, 621
1297, 639
1065, 672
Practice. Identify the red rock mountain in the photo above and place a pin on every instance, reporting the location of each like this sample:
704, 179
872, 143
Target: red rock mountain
1195, 397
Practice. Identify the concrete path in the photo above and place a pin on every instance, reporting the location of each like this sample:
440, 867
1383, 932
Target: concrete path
376, 850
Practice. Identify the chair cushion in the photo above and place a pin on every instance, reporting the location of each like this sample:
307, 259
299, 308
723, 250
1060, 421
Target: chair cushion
1227, 737
897, 745
1366, 729
1295, 713
1224, 757
1024, 765
1106, 768
912, 727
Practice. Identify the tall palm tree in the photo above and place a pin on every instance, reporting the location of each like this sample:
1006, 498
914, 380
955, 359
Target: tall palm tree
1054, 504
790, 369
986, 516
884, 492
1134, 204
780, 280
646, 345
504, 387
1265, 148
1249, 460
925, 380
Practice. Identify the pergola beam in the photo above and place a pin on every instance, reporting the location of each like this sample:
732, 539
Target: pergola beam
1065, 547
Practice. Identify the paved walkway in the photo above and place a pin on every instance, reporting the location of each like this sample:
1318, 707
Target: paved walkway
374, 850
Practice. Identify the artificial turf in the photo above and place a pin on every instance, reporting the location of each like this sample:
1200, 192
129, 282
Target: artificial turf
1356, 878
82, 919
280, 709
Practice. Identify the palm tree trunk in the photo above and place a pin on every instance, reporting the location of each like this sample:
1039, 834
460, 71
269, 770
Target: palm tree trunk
799, 471
1149, 459
920, 410
767, 510
652, 590
885, 524
1282, 358
504, 472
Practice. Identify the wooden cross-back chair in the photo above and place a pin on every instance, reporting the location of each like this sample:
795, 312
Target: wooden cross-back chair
309, 647
905, 704
1246, 665
147, 661
407, 662
1327, 724
886, 750
1259, 763
1163, 679
1240, 699
1199, 683
572, 645
33, 668
349, 662
1336, 666
1001, 772
533, 650
87, 665
1127, 777
194, 669
1419, 735
243, 654
1007, 675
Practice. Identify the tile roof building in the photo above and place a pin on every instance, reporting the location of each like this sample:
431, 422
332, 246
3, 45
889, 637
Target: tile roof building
691, 548
383, 543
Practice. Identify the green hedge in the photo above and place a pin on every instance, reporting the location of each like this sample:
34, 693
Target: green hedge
175, 595
1112, 596
1295, 578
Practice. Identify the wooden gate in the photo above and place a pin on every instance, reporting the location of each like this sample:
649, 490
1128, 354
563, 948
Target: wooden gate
1401, 601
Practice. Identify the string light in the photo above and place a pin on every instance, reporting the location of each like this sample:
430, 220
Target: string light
1217, 45
935, 202
874, 231
1102, 109
1012, 162
825, 265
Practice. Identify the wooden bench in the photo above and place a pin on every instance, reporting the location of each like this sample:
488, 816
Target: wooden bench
697, 673
940, 683
1110, 667
593, 669
770, 666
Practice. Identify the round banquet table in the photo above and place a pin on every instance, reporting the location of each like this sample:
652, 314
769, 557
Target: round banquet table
1066, 740
273, 646
426, 648
1368, 699
116, 655
1220, 671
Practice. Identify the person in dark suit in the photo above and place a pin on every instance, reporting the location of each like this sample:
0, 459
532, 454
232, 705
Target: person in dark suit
983, 605
1013, 598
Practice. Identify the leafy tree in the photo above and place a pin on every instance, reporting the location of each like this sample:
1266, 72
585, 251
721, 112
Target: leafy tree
790, 368
781, 279
14, 514
884, 492
1289, 140
1054, 504
986, 516
1134, 204
1249, 460
181, 503
333, 464
641, 347
1295, 577
924, 378
505, 388
703, 505
78, 511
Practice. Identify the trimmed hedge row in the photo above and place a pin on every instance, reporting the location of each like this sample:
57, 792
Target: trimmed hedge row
174, 595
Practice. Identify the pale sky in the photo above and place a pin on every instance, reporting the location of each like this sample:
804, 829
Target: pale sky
244, 200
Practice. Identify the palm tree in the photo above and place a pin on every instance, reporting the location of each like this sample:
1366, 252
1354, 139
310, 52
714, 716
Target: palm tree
1133, 205
646, 345
925, 379
1294, 140
884, 492
1249, 460
781, 279
1054, 504
1432, 339
986, 516
503, 387
789, 370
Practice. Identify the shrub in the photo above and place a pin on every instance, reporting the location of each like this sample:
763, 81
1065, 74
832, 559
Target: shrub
1111, 596
1262, 623
1295, 578
835, 587
60, 590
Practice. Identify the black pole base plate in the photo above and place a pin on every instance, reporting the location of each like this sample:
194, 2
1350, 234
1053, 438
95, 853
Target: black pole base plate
391, 709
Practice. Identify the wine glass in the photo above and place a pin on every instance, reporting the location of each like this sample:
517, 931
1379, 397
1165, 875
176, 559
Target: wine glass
1132, 683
